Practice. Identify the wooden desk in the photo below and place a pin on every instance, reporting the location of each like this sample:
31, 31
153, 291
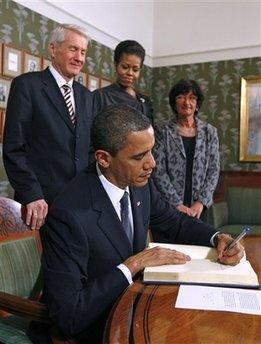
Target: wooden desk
146, 314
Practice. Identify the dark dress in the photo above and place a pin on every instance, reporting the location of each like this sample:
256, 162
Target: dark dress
115, 94
189, 146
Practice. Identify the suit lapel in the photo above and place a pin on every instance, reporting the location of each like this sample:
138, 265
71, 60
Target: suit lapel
200, 137
178, 140
108, 220
79, 101
140, 233
53, 92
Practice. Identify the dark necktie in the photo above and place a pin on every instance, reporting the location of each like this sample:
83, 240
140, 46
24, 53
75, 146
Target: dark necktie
67, 98
125, 215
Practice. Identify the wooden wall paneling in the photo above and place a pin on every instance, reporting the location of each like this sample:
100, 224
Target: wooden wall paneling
249, 179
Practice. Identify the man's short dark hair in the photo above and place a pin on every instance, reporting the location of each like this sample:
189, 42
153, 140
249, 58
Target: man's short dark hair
112, 125
129, 47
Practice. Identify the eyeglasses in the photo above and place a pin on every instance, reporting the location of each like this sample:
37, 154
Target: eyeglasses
191, 98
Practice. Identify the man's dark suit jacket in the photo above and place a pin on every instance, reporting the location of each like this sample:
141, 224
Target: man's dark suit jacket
42, 151
84, 241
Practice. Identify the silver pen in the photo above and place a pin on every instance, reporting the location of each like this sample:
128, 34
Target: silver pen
244, 231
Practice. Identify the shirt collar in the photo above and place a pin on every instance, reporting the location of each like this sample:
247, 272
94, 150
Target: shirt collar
114, 192
59, 78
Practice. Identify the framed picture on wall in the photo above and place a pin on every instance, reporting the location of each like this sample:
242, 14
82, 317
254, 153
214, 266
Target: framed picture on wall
32, 63
81, 78
4, 91
250, 119
105, 82
12, 61
45, 63
2, 124
93, 82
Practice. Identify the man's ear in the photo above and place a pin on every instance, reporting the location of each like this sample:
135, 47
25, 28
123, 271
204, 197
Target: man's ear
103, 158
51, 49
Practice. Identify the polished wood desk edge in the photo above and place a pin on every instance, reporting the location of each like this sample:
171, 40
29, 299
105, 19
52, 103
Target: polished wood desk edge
136, 289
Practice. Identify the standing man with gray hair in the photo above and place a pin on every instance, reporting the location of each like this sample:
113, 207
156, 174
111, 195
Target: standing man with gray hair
47, 129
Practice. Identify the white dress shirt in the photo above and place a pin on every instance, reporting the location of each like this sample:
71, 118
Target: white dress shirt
61, 81
115, 194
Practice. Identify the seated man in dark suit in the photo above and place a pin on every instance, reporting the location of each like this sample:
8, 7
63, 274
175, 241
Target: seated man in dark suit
91, 252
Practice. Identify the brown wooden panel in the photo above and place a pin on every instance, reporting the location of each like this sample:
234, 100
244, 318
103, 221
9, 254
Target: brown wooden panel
236, 178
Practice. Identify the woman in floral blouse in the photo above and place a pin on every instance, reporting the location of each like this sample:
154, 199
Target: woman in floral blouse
187, 153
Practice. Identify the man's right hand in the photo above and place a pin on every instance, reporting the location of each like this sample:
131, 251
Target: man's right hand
153, 257
36, 213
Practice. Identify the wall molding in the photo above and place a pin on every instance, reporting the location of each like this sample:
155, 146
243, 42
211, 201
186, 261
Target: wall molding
207, 56
53, 11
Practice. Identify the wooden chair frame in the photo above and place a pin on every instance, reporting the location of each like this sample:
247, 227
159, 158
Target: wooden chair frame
12, 227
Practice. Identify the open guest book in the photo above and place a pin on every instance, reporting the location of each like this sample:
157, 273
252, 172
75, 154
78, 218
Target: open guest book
203, 268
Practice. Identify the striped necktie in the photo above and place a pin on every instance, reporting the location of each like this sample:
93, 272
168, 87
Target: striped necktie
67, 98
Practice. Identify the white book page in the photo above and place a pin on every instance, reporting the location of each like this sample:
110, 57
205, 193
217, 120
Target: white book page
196, 266
195, 252
219, 299
203, 268
203, 271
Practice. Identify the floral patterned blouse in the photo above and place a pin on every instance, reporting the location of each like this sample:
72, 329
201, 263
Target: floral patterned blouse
170, 172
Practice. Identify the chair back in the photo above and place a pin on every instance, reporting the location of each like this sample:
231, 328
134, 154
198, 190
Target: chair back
20, 250
243, 205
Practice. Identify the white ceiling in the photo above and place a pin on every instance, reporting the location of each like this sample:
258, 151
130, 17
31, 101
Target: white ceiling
172, 32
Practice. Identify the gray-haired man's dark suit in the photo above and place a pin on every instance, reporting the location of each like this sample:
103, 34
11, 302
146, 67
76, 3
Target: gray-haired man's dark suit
42, 151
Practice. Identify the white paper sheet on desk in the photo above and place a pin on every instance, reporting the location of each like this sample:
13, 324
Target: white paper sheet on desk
219, 299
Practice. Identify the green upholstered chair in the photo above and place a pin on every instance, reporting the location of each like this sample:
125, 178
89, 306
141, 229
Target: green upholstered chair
20, 277
241, 207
